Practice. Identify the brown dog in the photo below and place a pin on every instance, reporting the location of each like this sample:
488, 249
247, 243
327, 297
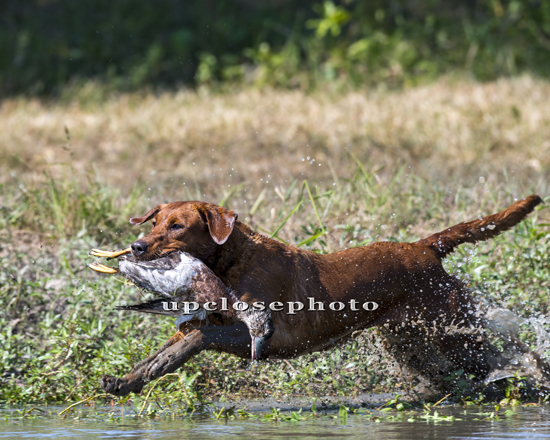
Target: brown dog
405, 280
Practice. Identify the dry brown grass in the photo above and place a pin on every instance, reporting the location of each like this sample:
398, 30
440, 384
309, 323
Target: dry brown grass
259, 133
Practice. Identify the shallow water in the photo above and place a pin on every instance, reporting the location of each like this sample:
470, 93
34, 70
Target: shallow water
471, 423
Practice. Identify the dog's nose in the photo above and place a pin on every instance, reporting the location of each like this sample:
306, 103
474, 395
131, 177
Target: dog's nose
139, 247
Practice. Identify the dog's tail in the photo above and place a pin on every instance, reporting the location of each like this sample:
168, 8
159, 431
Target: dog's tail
445, 241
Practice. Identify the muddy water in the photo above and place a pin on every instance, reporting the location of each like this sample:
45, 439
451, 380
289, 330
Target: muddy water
472, 423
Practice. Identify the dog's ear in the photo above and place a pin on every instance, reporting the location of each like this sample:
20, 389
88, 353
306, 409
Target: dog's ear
220, 222
146, 217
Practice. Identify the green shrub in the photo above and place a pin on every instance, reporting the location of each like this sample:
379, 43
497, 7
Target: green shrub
48, 45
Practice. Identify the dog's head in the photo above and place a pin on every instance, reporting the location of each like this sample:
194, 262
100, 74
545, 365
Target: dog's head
197, 228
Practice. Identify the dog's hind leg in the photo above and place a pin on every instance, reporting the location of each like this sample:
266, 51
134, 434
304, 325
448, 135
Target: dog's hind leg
470, 352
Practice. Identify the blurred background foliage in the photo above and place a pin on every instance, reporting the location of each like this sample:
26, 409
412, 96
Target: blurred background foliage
47, 45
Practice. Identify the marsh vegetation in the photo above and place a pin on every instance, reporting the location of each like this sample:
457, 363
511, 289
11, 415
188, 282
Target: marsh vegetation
378, 165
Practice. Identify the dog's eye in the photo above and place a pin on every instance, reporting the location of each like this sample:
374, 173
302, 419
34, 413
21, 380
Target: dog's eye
175, 226
154, 224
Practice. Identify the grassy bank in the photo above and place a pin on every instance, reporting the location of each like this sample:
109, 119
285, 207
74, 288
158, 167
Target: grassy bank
380, 166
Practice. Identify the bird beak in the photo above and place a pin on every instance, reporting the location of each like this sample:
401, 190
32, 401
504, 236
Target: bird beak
109, 255
256, 347
98, 267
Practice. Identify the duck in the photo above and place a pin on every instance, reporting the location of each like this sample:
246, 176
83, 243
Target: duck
178, 279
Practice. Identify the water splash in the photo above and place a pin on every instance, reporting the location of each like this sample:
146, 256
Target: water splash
500, 348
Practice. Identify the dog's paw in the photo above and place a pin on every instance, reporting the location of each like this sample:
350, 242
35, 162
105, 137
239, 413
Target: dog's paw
109, 384
119, 387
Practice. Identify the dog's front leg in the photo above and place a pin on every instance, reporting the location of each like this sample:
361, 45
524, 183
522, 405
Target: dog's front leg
175, 352
234, 339
134, 381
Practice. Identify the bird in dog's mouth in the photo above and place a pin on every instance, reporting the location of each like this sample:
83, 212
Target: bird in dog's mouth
182, 279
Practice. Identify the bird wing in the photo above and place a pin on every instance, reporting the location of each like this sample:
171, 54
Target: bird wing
156, 306
208, 287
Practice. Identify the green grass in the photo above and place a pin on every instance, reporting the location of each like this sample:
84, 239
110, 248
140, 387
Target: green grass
61, 335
